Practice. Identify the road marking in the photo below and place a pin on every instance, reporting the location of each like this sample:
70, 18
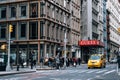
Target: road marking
83, 71
91, 71
101, 71
109, 72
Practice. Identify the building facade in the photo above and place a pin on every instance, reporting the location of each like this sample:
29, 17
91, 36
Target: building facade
40, 26
113, 23
105, 27
92, 28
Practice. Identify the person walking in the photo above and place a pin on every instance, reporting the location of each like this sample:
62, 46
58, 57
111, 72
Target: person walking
118, 61
79, 61
41, 62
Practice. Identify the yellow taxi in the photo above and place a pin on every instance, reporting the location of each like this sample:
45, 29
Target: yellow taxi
97, 60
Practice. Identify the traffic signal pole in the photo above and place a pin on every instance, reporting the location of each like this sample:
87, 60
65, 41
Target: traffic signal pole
8, 58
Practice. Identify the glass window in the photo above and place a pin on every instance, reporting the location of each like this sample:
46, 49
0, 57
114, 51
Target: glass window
23, 30
41, 30
33, 30
2, 31
41, 9
48, 31
3, 12
34, 10
23, 10
13, 12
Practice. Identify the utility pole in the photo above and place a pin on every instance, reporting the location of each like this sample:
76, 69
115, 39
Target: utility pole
65, 41
8, 58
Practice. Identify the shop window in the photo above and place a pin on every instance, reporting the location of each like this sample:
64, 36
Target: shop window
3, 12
33, 10
33, 30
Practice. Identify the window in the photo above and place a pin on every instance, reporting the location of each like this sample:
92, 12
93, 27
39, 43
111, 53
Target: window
48, 31
2, 31
13, 12
23, 30
57, 32
3, 12
41, 9
23, 10
34, 10
33, 30
41, 30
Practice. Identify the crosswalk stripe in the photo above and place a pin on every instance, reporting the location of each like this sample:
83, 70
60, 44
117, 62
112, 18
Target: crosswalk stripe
91, 71
101, 71
109, 72
83, 71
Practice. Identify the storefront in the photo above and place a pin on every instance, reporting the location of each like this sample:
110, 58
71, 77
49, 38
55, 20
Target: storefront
89, 47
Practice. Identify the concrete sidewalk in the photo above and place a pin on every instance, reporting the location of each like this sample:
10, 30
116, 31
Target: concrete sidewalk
14, 71
24, 70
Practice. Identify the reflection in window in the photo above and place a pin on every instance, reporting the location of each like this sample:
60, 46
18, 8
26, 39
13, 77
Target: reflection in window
34, 10
2, 31
33, 30
3, 12
13, 12
23, 10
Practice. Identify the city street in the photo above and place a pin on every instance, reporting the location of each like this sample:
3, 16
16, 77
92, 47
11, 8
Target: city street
72, 73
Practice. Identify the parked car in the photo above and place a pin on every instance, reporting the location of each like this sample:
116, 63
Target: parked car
113, 60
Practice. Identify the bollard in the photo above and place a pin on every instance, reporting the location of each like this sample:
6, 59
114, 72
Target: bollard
18, 67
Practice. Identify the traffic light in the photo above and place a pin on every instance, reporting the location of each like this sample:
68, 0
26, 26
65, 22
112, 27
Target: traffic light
10, 28
3, 46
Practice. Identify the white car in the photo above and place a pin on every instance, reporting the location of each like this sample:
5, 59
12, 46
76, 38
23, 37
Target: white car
113, 60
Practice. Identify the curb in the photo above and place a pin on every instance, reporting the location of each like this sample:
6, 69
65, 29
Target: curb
15, 72
45, 69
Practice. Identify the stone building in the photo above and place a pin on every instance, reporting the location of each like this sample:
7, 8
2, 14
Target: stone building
40, 26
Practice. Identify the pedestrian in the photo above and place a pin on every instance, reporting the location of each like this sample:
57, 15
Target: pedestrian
21, 61
118, 61
41, 62
79, 61
57, 62
31, 59
11, 62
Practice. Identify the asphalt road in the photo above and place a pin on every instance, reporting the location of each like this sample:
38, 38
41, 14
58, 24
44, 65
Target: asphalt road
72, 73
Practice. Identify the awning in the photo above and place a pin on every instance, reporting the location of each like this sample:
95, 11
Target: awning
91, 43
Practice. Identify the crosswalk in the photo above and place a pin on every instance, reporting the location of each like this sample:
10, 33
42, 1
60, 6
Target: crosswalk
55, 74
81, 71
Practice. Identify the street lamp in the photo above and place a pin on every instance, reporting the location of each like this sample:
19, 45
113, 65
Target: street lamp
8, 59
65, 41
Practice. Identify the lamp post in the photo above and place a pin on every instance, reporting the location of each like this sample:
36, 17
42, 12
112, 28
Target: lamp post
65, 41
8, 58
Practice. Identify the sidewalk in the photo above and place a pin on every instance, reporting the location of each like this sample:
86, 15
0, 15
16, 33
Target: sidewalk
23, 70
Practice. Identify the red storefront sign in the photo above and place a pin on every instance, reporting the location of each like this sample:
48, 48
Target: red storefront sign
90, 43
